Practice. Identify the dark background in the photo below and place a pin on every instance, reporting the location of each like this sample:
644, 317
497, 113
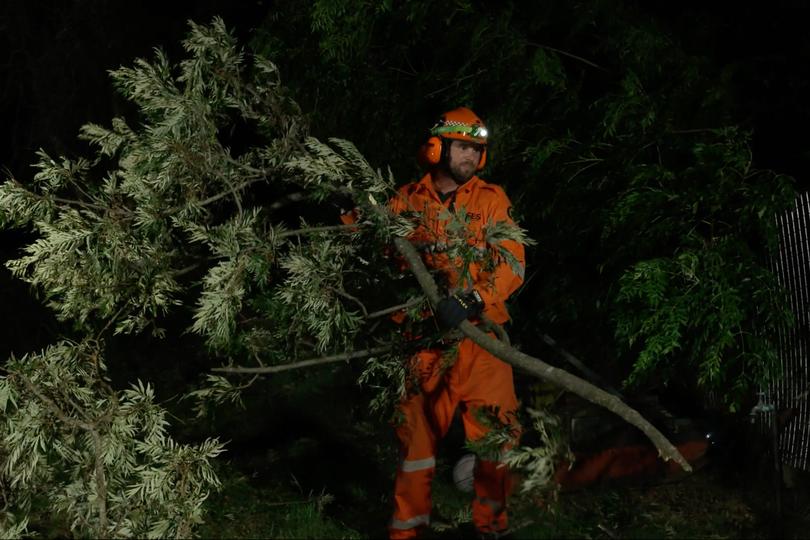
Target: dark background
54, 59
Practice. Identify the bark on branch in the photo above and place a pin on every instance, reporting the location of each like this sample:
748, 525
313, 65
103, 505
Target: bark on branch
542, 370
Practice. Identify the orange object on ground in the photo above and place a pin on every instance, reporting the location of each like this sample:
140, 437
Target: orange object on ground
625, 463
476, 379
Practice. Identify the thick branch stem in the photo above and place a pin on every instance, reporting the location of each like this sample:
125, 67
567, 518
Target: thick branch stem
542, 370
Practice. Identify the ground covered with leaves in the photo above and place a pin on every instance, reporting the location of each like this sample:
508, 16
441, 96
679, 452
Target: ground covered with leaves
698, 506
310, 478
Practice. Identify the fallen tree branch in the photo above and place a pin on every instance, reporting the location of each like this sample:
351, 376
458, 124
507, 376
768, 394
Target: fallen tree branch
542, 370
305, 363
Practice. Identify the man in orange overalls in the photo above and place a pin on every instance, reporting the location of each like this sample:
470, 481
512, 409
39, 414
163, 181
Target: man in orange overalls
477, 380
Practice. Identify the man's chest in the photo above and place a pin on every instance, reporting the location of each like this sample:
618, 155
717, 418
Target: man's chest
461, 215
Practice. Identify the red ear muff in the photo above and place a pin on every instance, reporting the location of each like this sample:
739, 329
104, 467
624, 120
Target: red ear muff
483, 160
430, 153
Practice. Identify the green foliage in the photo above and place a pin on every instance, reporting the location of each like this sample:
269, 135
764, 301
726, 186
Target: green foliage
613, 144
101, 458
697, 291
539, 462
314, 285
536, 463
113, 245
168, 217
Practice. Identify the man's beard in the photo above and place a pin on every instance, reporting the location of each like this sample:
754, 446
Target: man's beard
459, 174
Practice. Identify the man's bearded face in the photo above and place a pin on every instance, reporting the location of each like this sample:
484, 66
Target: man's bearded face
463, 160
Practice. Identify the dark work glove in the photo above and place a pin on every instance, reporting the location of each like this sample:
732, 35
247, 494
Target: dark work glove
461, 306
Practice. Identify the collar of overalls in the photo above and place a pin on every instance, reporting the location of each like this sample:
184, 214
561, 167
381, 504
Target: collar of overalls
426, 183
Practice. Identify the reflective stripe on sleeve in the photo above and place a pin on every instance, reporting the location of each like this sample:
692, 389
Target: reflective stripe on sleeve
418, 464
423, 519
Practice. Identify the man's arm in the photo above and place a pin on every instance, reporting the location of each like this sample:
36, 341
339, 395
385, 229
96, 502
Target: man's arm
497, 285
490, 289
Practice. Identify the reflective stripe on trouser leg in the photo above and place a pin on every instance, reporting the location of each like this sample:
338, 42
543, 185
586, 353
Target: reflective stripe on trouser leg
412, 499
413, 465
412, 523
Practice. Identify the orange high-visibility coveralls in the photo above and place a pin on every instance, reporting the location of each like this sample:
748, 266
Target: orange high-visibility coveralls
477, 379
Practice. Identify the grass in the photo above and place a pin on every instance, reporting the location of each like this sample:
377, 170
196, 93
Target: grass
244, 510
696, 507
318, 476
699, 506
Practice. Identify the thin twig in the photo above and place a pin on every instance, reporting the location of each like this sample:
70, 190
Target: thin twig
109, 322
222, 195
582, 170
569, 55
53, 406
101, 484
326, 228
185, 270
577, 363
306, 363
74, 202
245, 166
347, 296
236, 198
393, 309
456, 82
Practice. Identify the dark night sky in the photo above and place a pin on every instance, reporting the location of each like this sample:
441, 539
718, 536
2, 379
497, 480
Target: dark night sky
769, 43
54, 58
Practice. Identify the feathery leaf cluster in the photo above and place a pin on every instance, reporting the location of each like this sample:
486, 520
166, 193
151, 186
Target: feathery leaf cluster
101, 458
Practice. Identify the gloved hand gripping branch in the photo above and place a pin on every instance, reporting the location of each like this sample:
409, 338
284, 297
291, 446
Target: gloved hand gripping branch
452, 310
